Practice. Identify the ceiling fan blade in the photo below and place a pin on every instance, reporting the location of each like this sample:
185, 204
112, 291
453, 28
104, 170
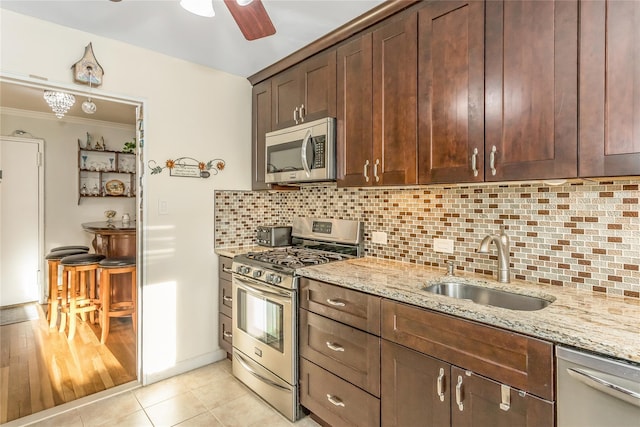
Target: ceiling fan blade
253, 19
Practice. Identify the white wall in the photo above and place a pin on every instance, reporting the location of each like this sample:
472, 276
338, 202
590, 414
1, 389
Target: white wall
63, 214
191, 111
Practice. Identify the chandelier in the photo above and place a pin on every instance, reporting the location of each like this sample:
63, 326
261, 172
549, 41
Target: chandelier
59, 102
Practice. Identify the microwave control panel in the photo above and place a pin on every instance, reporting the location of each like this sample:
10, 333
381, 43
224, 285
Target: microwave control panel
319, 143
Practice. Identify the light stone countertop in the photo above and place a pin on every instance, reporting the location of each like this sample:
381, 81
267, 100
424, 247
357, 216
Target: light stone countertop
609, 325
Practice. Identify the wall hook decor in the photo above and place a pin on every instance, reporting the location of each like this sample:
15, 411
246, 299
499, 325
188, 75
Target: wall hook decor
188, 167
87, 70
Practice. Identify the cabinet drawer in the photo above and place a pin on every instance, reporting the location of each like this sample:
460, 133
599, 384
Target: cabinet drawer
225, 339
334, 400
224, 267
353, 308
225, 298
345, 351
508, 357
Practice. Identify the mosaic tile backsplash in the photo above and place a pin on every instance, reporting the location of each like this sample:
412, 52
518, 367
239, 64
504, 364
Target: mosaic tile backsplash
584, 234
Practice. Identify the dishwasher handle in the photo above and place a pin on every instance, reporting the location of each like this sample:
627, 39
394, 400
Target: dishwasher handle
605, 386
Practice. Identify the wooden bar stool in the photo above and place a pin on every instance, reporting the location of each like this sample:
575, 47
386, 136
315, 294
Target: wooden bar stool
53, 261
110, 307
79, 274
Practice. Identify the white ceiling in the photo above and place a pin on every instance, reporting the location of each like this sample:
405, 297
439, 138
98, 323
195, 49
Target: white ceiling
163, 26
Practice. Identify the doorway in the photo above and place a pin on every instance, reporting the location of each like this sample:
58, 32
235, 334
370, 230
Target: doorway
21, 221
51, 371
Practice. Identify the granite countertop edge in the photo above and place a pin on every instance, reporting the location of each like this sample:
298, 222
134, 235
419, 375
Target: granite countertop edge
607, 325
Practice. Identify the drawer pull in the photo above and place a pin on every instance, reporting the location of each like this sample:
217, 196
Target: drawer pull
227, 298
335, 400
227, 270
459, 393
440, 385
505, 393
334, 347
335, 302
227, 334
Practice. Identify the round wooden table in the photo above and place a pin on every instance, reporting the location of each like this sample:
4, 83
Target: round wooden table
113, 238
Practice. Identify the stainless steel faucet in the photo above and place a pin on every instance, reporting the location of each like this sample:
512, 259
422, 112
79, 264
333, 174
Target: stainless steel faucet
502, 243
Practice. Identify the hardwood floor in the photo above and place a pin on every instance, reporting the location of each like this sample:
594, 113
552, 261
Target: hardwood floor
40, 368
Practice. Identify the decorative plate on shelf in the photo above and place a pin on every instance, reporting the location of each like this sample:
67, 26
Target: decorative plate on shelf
115, 187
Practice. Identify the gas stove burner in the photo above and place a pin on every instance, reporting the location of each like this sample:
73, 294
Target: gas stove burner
295, 257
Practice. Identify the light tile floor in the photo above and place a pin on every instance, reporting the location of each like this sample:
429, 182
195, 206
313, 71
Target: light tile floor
209, 396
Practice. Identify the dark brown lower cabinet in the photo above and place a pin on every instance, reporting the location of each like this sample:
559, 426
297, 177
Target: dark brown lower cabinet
336, 401
410, 392
225, 306
419, 390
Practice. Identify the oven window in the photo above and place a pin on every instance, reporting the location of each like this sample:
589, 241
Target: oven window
261, 318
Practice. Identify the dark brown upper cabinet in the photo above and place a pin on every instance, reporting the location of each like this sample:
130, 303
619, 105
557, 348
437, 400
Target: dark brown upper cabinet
609, 88
451, 92
531, 104
261, 124
377, 106
305, 92
354, 132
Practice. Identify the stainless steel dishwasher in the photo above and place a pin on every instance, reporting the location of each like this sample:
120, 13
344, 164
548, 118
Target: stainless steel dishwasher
596, 391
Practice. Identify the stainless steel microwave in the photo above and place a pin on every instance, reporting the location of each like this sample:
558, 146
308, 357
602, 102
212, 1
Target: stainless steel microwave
302, 153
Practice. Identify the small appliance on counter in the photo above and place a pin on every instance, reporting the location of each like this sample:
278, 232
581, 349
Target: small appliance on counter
274, 236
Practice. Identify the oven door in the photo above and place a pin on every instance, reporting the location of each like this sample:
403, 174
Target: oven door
264, 326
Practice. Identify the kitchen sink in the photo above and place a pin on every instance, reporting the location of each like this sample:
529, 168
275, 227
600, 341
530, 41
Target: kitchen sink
488, 296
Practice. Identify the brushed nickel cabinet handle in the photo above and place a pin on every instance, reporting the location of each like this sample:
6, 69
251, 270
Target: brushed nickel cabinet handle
295, 115
227, 334
227, 298
440, 385
335, 400
302, 113
375, 170
459, 393
474, 162
334, 346
226, 269
492, 160
335, 302
365, 172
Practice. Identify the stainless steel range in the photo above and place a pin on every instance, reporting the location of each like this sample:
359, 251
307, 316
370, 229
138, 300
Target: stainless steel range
265, 324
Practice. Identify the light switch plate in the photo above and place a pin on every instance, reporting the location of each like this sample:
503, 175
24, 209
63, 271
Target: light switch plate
444, 246
163, 207
379, 237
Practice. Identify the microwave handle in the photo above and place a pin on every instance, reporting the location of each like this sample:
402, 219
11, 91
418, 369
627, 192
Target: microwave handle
303, 153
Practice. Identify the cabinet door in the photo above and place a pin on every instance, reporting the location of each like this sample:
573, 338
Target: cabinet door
609, 88
261, 124
451, 92
411, 395
395, 102
478, 401
531, 89
318, 76
355, 125
287, 89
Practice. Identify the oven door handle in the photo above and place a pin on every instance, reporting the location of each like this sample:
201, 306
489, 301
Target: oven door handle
261, 290
246, 366
303, 153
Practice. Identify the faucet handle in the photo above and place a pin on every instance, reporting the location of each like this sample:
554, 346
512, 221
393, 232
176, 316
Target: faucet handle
450, 268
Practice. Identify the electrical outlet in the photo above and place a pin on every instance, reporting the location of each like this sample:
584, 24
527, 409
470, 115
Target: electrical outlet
444, 246
379, 237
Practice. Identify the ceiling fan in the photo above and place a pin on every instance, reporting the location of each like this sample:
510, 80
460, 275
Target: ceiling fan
250, 15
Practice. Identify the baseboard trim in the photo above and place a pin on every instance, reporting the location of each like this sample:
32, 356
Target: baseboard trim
183, 366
